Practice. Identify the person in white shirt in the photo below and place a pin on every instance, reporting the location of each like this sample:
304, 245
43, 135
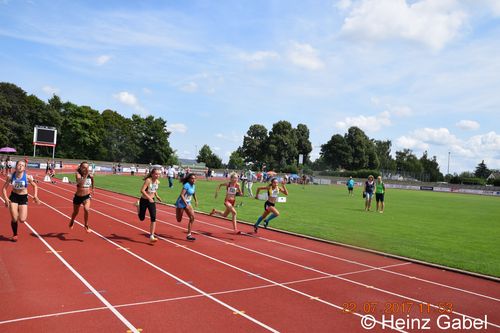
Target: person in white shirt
171, 175
250, 179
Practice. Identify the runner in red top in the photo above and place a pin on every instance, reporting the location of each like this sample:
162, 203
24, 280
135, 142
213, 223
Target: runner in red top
232, 190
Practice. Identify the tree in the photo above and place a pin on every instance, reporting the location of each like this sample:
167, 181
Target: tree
431, 167
336, 153
151, 137
319, 164
282, 147
173, 159
407, 161
206, 156
482, 170
304, 146
14, 112
81, 132
383, 151
371, 154
118, 138
236, 162
358, 141
254, 145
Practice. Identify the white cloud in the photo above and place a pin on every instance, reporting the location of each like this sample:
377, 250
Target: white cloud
409, 142
422, 139
375, 101
50, 90
488, 143
231, 137
305, 56
147, 91
366, 123
400, 111
433, 23
438, 136
177, 128
468, 125
478, 147
343, 4
129, 99
126, 98
101, 60
259, 58
190, 87
494, 5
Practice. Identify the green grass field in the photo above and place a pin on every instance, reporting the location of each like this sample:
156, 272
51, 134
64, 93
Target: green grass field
455, 230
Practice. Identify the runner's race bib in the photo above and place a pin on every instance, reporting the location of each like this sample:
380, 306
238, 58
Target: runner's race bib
19, 184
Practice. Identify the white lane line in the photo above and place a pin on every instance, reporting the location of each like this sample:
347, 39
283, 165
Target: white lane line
327, 255
83, 280
172, 299
289, 262
161, 269
311, 297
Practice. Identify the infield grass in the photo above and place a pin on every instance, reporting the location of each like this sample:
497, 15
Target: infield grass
455, 230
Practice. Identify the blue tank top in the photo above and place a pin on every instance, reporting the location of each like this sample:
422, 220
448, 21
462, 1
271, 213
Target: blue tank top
190, 189
19, 183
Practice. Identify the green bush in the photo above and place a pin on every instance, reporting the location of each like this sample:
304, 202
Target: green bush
364, 173
473, 181
290, 169
455, 180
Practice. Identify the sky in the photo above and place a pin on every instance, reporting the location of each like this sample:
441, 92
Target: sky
423, 74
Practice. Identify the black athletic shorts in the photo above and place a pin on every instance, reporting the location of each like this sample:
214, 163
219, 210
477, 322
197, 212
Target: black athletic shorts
78, 200
268, 204
20, 199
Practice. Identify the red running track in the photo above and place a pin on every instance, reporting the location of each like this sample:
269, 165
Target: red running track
113, 280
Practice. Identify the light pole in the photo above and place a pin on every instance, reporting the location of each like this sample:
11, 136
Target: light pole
449, 163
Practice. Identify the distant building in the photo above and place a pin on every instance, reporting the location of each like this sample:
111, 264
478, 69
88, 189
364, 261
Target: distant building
494, 175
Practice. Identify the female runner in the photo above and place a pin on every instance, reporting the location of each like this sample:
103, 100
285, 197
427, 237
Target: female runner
84, 191
232, 190
273, 190
17, 202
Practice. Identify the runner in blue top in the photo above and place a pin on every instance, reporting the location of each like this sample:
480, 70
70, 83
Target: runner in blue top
350, 186
17, 202
183, 203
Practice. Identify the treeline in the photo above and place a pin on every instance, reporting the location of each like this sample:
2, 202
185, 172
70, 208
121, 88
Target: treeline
479, 177
83, 133
356, 151
277, 149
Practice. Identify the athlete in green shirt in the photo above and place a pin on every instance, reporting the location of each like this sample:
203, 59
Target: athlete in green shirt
379, 194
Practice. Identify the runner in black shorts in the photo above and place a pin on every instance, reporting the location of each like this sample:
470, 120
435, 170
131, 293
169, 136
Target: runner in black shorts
17, 202
149, 192
84, 191
273, 190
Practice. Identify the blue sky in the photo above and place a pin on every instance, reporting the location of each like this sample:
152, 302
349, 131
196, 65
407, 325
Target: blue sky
423, 74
